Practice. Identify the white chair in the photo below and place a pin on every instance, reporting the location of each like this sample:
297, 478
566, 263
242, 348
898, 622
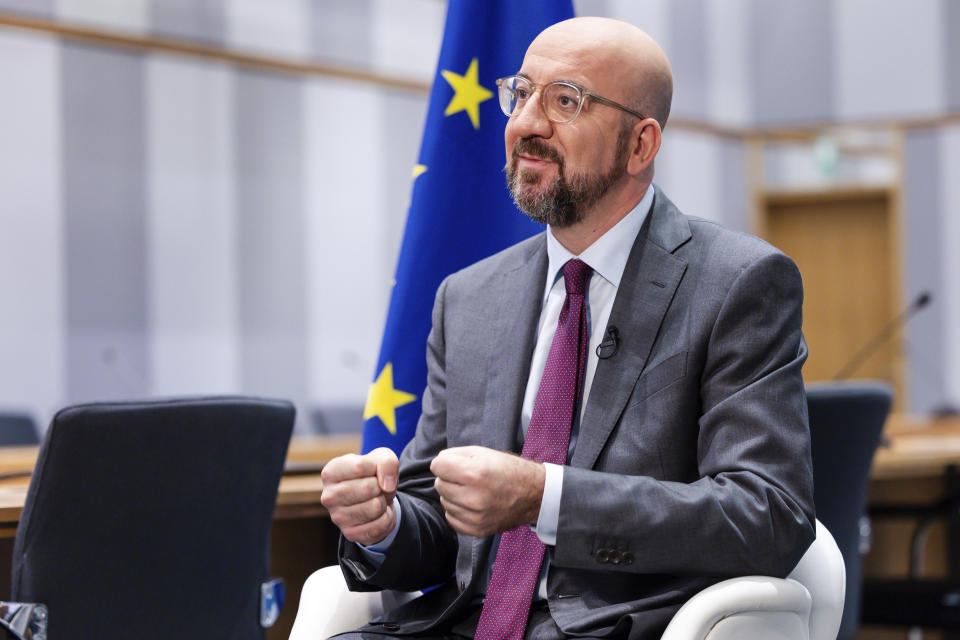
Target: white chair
807, 605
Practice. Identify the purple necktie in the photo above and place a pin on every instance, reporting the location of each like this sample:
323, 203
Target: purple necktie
513, 576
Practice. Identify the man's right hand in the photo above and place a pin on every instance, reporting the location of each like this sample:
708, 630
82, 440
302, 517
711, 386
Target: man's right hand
358, 492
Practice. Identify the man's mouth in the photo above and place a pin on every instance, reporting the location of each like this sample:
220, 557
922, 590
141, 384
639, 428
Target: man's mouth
532, 161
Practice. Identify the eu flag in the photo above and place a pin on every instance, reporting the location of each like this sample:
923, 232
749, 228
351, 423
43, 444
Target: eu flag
460, 210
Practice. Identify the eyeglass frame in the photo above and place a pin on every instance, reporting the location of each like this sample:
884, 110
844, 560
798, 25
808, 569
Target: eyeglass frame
581, 90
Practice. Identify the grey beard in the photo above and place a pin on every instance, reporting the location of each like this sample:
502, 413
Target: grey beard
556, 205
565, 202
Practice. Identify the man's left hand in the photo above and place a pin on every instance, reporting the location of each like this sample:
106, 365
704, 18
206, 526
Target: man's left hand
484, 491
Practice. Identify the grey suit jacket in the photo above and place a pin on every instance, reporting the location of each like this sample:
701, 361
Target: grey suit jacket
693, 458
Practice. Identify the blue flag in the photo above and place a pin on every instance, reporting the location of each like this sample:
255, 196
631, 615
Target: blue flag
460, 211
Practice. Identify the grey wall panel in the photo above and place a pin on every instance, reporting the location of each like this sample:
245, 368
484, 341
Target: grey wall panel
735, 201
29, 7
792, 57
105, 212
191, 227
888, 62
32, 339
341, 32
591, 8
924, 269
398, 159
270, 210
688, 57
194, 19
951, 56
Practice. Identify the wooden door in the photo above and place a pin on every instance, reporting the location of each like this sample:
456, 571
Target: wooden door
846, 245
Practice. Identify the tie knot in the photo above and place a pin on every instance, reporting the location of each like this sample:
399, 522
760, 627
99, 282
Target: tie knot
575, 276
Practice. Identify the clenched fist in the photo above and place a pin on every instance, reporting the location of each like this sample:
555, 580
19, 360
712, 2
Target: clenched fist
358, 492
484, 491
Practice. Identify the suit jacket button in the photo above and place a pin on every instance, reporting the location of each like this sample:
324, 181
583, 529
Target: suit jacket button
603, 556
615, 557
627, 557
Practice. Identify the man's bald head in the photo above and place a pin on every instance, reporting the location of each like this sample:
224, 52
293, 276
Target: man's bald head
621, 50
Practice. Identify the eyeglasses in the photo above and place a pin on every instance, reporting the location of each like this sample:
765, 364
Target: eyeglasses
561, 101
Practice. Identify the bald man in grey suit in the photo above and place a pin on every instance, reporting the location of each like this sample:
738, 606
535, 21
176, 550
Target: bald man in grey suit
689, 454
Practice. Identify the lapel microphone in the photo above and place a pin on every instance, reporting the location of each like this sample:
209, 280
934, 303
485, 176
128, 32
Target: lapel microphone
610, 345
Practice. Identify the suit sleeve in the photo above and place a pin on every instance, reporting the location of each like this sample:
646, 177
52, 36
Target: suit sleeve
425, 548
750, 511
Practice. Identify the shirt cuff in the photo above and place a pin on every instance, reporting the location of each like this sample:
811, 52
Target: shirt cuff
374, 554
549, 516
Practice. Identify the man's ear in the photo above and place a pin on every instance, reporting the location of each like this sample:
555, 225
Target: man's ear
644, 145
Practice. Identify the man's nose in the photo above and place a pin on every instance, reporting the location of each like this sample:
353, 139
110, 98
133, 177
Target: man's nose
531, 120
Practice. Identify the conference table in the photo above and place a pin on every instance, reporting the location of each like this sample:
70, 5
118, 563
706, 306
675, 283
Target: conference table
910, 467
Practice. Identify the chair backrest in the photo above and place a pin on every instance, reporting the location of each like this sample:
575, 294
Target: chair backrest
151, 519
821, 571
846, 421
17, 429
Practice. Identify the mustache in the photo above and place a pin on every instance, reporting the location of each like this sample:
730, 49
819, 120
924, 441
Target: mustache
535, 147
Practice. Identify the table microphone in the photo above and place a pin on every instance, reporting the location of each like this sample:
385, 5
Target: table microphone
883, 335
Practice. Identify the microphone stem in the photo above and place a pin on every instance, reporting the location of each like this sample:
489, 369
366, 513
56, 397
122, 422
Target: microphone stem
868, 349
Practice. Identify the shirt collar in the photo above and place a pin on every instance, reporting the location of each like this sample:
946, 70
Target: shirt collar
607, 256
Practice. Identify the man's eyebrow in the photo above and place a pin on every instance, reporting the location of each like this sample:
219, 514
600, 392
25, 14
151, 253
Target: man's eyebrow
521, 74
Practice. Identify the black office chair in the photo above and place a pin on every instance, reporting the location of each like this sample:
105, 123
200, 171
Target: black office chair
846, 421
17, 429
151, 520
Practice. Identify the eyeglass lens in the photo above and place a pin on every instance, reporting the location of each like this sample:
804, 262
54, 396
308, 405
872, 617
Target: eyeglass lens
561, 101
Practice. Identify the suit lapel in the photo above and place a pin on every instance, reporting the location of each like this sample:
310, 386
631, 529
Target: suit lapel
650, 280
512, 336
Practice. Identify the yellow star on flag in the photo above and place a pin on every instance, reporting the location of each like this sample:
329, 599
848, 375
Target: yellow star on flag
419, 170
467, 93
383, 399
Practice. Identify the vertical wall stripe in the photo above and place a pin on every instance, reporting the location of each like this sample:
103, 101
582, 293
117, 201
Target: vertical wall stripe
688, 58
191, 228
104, 204
726, 48
202, 20
792, 57
125, 15
406, 37
409, 111
949, 214
590, 8
278, 27
688, 170
950, 54
653, 16
31, 255
347, 272
924, 269
43, 8
340, 31
887, 63
271, 227
732, 184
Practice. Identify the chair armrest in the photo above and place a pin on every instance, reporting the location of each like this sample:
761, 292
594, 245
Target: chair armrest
328, 607
750, 606
24, 619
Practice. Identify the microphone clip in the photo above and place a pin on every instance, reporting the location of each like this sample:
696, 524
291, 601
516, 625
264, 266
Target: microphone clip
610, 345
